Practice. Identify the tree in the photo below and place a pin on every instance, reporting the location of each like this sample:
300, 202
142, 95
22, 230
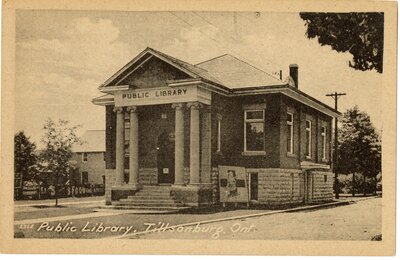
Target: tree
24, 159
58, 140
361, 34
359, 146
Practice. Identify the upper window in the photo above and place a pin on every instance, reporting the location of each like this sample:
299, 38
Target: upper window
219, 134
289, 141
84, 157
126, 131
126, 148
308, 139
323, 134
254, 130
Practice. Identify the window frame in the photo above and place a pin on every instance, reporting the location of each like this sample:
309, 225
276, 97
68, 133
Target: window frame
323, 134
291, 134
259, 120
84, 157
87, 177
219, 119
309, 145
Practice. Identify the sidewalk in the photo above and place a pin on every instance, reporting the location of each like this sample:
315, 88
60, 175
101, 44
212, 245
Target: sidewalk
61, 201
241, 217
82, 215
332, 223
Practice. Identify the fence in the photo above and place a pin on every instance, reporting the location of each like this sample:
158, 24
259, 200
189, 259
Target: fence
86, 190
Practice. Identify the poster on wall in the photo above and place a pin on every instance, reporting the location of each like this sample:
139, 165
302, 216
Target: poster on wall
233, 184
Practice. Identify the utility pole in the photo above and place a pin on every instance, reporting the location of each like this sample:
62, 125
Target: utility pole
336, 96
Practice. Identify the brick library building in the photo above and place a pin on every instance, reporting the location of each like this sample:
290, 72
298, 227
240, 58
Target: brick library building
183, 135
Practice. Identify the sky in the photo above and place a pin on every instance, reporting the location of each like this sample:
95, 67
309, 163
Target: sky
63, 56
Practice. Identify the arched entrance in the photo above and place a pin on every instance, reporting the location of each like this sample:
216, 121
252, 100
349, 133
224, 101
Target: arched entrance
166, 157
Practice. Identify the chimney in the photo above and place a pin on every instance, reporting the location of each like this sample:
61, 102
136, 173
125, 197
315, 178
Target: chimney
294, 73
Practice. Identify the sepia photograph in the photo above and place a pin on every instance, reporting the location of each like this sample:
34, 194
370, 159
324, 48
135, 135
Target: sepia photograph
201, 125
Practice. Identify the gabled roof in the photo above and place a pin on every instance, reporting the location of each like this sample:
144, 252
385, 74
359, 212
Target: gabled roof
198, 71
226, 71
234, 76
235, 73
93, 141
148, 53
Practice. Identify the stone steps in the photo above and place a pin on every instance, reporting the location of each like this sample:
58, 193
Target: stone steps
152, 204
141, 200
148, 208
150, 197
158, 193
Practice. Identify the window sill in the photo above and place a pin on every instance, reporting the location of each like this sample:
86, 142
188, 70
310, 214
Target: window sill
290, 154
253, 153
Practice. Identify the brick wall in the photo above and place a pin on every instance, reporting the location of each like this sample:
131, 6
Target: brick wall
232, 131
301, 113
110, 137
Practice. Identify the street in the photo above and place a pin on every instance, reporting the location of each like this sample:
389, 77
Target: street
361, 220
358, 221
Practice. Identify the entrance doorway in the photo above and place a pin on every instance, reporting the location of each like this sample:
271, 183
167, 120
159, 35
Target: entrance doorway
166, 157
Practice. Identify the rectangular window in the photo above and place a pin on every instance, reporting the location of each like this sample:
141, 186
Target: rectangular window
85, 178
219, 135
290, 141
104, 156
253, 191
84, 157
308, 139
323, 133
254, 130
126, 148
127, 127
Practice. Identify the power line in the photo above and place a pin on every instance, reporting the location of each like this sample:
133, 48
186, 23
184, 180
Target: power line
210, 23
217, 41
336, 97
223, 32
180, 18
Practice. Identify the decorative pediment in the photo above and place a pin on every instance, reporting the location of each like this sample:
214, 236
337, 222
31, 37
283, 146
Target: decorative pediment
150, 68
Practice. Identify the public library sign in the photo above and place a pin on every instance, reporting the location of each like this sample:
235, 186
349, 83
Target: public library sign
163, 95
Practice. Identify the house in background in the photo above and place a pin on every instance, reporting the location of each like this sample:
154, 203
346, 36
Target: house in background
90, 157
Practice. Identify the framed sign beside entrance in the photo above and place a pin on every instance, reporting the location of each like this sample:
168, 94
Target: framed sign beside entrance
233, 184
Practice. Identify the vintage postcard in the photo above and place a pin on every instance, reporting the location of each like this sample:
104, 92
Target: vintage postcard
198, 127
